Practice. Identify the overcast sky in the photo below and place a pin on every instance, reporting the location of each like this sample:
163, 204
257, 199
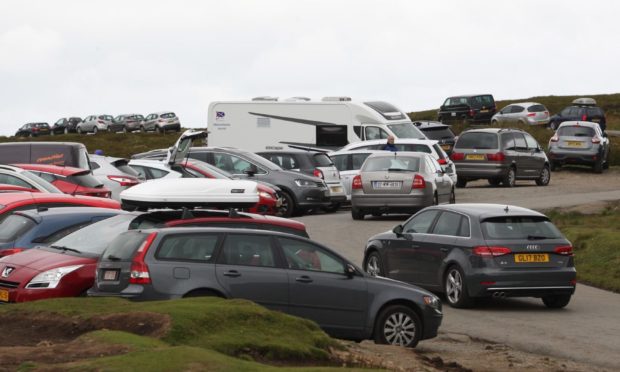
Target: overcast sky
76, 58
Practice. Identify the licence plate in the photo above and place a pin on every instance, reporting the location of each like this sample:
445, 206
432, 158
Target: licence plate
453, 114
386, 184
484, 110
4, 295
475, 157
110, 275
595, 120
446, 147
531, 257
574, 143
336, 189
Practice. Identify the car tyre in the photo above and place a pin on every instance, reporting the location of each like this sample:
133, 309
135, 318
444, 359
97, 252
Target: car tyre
287, 207
66, 130
494, 181
461, 183
553, 125
545, 177
357, 213
331, 208
456, 288
398, 325
494, 122
79, 130
556, 301
598, 166
95, 130
509, 178
201, 293
553, 166
452, 196
374, 266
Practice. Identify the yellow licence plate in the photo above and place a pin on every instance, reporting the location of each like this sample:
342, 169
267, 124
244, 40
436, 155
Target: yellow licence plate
475, 157
531, 257
445, 147
336, 189
484, 110
4, 295
574, 143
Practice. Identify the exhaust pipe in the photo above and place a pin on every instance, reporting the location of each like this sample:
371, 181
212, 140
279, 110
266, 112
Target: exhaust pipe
499, 294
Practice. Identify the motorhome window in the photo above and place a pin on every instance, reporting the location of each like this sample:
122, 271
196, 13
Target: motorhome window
386, 110
357, 129
373, 133
331, 135
406, 130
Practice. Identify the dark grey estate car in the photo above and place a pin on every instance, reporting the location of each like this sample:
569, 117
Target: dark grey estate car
501, 155
279, 271
477, 250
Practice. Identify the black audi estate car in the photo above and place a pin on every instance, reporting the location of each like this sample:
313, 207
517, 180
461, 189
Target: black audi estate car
468, 251
279, 271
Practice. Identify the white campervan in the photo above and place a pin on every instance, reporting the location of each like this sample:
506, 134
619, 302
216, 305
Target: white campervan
266, 123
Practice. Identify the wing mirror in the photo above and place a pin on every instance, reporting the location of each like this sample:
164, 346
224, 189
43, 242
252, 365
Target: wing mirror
251, 171
398, 230
350, 271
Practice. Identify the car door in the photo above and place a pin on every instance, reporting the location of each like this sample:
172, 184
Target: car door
178, 152
320, 289
516, 113
248, 267
535, 156
522, 161
442, 180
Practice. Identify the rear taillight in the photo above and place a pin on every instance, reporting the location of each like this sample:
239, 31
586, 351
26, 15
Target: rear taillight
100, 122
564, 250
124, 180
442, 161
498, 156
484, 251
160, 120
318, 173
555, 138
584, 117
472, 112
139, 270
531, 114
357, 182
10, 251
596, 140
418, 182
457, 156
35, 129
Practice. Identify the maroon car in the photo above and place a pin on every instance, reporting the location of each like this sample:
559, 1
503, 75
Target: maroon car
67, 268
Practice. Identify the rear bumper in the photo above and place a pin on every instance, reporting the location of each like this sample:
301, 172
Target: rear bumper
391, 201
133, 292
481, 170
573, 157
173, 126
526, 283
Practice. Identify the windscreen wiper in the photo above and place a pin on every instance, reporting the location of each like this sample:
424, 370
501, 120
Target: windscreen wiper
64, 249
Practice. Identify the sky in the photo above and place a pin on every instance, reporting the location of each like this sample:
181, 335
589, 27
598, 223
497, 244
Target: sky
77, 58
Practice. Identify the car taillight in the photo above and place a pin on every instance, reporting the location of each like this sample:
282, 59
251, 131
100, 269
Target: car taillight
442, 161
10, 251
124, 180
139, 270
418, 182
160, 120
357, 182
584, 117
564, 250
596, 140
100, 121
457, 156
318, 173
484, 251
472, 112
531, 114
35, 129
498, 156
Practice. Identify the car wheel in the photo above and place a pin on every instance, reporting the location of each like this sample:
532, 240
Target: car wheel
553, 125
161, 130
456, 289
373, 265
452, 196
331, 208
398, 325
435, 199
110, 130
357, 213
461, 183
201, 293
556, 301
493, 122
598, 166
79, 130
287, 207
509, 179
545, 177
494, 181
66, 130
95, 130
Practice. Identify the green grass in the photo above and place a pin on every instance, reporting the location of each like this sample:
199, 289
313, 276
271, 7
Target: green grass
595, 239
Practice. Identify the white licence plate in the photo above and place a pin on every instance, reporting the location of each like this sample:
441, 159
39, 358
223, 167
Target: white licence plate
110, 275
453, 114
386, 184
336, 189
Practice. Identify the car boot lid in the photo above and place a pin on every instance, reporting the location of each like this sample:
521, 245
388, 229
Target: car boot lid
181, 148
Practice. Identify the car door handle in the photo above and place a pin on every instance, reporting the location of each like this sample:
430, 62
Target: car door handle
304, 279
232, 273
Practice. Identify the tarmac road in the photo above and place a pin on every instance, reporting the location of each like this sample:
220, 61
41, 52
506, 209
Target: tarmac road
587, 330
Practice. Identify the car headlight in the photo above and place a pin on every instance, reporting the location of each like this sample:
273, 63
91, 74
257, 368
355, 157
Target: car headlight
305, 183
432, 301
51, 278
266, 195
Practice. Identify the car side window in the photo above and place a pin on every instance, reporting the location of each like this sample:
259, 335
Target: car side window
247, 250
464, 230
340, 162
531, 142
302, 255
188, 247
520, 143
565, 112
156, 173
12, 180
508, 142
357, 160
517, 109
141, 171
574, 111
448, 223
94, 165
46, 176
420, 223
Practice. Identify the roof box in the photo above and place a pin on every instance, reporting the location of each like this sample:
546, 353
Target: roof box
585, 102
336, 99
190, 193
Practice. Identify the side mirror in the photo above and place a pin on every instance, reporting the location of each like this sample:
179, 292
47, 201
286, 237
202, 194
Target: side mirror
251, 171
398, 230
350, 271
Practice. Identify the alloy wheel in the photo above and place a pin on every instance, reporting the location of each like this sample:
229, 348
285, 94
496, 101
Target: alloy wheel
373, 266
399, 329
454, 286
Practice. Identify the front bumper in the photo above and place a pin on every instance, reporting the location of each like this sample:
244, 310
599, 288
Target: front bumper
431, 321
314, 197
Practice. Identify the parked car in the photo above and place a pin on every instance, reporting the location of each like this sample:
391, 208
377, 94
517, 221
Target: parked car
161, 122
18, 177
33, 130
279, 271
500, 155
348, 164
114, 173
409, 144
151, 169
95, 123
26, 229
467, 109
579, 142
65, 125
439, 132
67, 267
129, 122
69, 180
582, 109
312, 163
530, 113
469, 251
71, 154
399, 182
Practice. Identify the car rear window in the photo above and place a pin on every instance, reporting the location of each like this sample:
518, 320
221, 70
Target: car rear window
536, 108
122, 166
41, 125
438, 133
477, 140
106, 117
13, 227
124, 246
93, 239
169, 115
576, 131
322, 160
392, 163
86, 180
135, 117
479, 101
519, 227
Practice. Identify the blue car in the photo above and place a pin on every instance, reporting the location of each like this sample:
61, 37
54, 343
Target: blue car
29, 228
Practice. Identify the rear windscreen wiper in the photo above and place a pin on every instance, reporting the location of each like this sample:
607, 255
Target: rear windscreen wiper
62, 248
397, 170
538, 237
112, 257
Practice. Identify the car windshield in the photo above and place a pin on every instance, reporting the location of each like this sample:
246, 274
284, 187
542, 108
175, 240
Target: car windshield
106, 117
93, 239
379, 164
477, 140
13, 227
261, 161
41, 182
169, 115
517, 227
406, 130
576, 131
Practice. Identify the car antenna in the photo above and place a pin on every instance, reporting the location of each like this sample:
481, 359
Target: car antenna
187, 214
506, 209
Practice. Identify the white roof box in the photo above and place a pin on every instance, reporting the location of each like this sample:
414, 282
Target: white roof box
190, 193
336, 99
585, 102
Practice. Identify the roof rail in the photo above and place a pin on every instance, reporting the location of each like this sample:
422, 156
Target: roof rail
336, 99
265, 98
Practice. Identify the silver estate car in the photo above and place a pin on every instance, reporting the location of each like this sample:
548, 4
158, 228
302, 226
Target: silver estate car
579, 142
162, 121
531, 113
399, 182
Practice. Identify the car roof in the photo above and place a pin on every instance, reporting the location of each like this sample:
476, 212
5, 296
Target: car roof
301, 152
471, 95
55, 169
588, 124
422, 124
492, 130
396, 154
488, 210
26, 198
584, 101
525, 104
396, 141
162, 112
10, 168
64, 211
357, 151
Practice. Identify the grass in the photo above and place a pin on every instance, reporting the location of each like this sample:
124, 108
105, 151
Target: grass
595, 240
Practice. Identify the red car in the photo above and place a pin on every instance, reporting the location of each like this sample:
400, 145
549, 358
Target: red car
72, 181
12, 188
12, 201
67, 268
